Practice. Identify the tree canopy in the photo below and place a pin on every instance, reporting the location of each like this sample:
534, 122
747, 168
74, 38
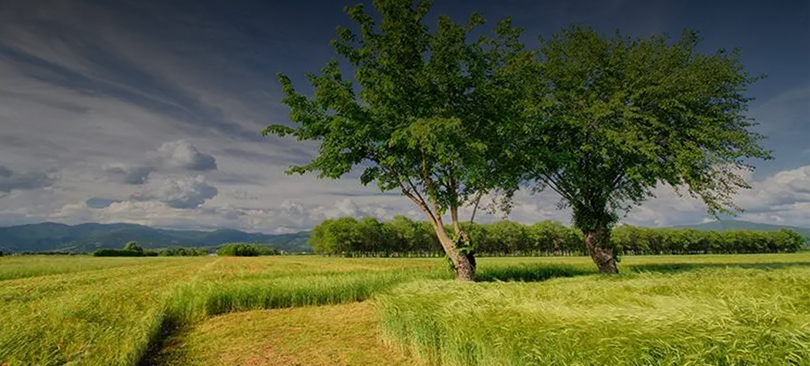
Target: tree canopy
423, 114
612, 118
600, 120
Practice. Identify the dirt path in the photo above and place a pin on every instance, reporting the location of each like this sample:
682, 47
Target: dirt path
320, 336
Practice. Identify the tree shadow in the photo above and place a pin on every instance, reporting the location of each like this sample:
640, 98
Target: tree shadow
529, 273
543, 272
682, 267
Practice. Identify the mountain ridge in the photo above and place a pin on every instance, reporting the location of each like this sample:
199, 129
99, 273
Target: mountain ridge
731, 224
86, 237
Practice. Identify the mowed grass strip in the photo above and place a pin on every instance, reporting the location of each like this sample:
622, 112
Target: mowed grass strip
311, 336
702, 316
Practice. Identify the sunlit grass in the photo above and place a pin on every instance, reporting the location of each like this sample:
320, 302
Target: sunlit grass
32, 266
705, 316
110, 311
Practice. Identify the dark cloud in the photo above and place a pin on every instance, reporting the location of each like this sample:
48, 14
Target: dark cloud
95, 202
10, 180
130, 174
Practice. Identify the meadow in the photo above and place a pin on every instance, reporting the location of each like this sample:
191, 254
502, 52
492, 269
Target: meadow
308, 310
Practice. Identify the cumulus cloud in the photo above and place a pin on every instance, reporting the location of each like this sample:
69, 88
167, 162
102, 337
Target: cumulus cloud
186, 192
182, 154
130, 174
784, 188
170, 156
348, 207
10, 180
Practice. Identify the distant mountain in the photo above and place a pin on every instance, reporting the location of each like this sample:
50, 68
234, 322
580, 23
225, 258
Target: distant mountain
723, 225
50, 236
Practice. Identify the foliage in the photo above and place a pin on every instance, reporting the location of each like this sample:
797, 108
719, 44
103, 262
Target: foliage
636, 240
405, 237
613, 118
423, 115
246, 250
131, 249
183, 252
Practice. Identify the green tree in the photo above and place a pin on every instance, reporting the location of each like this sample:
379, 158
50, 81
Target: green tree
612, 118
133, 247
425, 115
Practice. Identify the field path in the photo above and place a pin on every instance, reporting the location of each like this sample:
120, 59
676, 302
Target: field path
343, 335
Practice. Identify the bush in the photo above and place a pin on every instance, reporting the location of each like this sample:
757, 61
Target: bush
246, 250
116, 253
184, 252
131, 249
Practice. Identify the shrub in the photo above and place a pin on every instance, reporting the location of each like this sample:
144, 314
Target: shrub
184, 252
131, 249
245, 250
116, 253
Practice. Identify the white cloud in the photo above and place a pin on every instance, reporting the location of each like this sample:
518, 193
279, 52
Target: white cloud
186, 192
182, 154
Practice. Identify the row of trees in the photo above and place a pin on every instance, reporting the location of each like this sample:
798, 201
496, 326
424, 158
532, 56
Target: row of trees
246, 250
636, 240
183, 252
446, 118
404, 237
132, 249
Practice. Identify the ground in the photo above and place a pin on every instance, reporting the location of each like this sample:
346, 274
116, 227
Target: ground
306, 310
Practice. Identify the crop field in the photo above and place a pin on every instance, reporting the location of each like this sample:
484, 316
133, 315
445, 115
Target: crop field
307, 310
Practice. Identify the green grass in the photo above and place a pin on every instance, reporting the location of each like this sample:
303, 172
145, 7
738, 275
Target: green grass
32, 266
662, 310
704, 316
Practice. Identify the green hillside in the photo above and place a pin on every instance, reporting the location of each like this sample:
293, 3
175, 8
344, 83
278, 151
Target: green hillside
88, 237
723, 225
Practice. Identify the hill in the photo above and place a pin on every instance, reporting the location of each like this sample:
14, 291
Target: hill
50, 236
723, 225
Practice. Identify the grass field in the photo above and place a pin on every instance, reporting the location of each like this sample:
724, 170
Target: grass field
665, 310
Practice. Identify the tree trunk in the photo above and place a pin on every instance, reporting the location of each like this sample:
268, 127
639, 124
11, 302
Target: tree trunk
464, 263
601, 252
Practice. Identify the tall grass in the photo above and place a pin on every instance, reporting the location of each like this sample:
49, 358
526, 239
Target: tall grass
114, 311
113, 316
33, 266
708, 316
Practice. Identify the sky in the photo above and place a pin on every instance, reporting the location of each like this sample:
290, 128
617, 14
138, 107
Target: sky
150, 111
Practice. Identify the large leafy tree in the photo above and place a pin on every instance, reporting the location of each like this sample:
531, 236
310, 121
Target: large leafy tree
425, 113
613, 117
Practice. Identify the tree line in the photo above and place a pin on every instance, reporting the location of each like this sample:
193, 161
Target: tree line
246, 250
446, 114
402, 236
132, 249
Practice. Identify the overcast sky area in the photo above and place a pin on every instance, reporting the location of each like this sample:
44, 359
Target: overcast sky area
150, 112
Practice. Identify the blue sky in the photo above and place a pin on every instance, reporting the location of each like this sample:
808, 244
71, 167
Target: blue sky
150, 111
